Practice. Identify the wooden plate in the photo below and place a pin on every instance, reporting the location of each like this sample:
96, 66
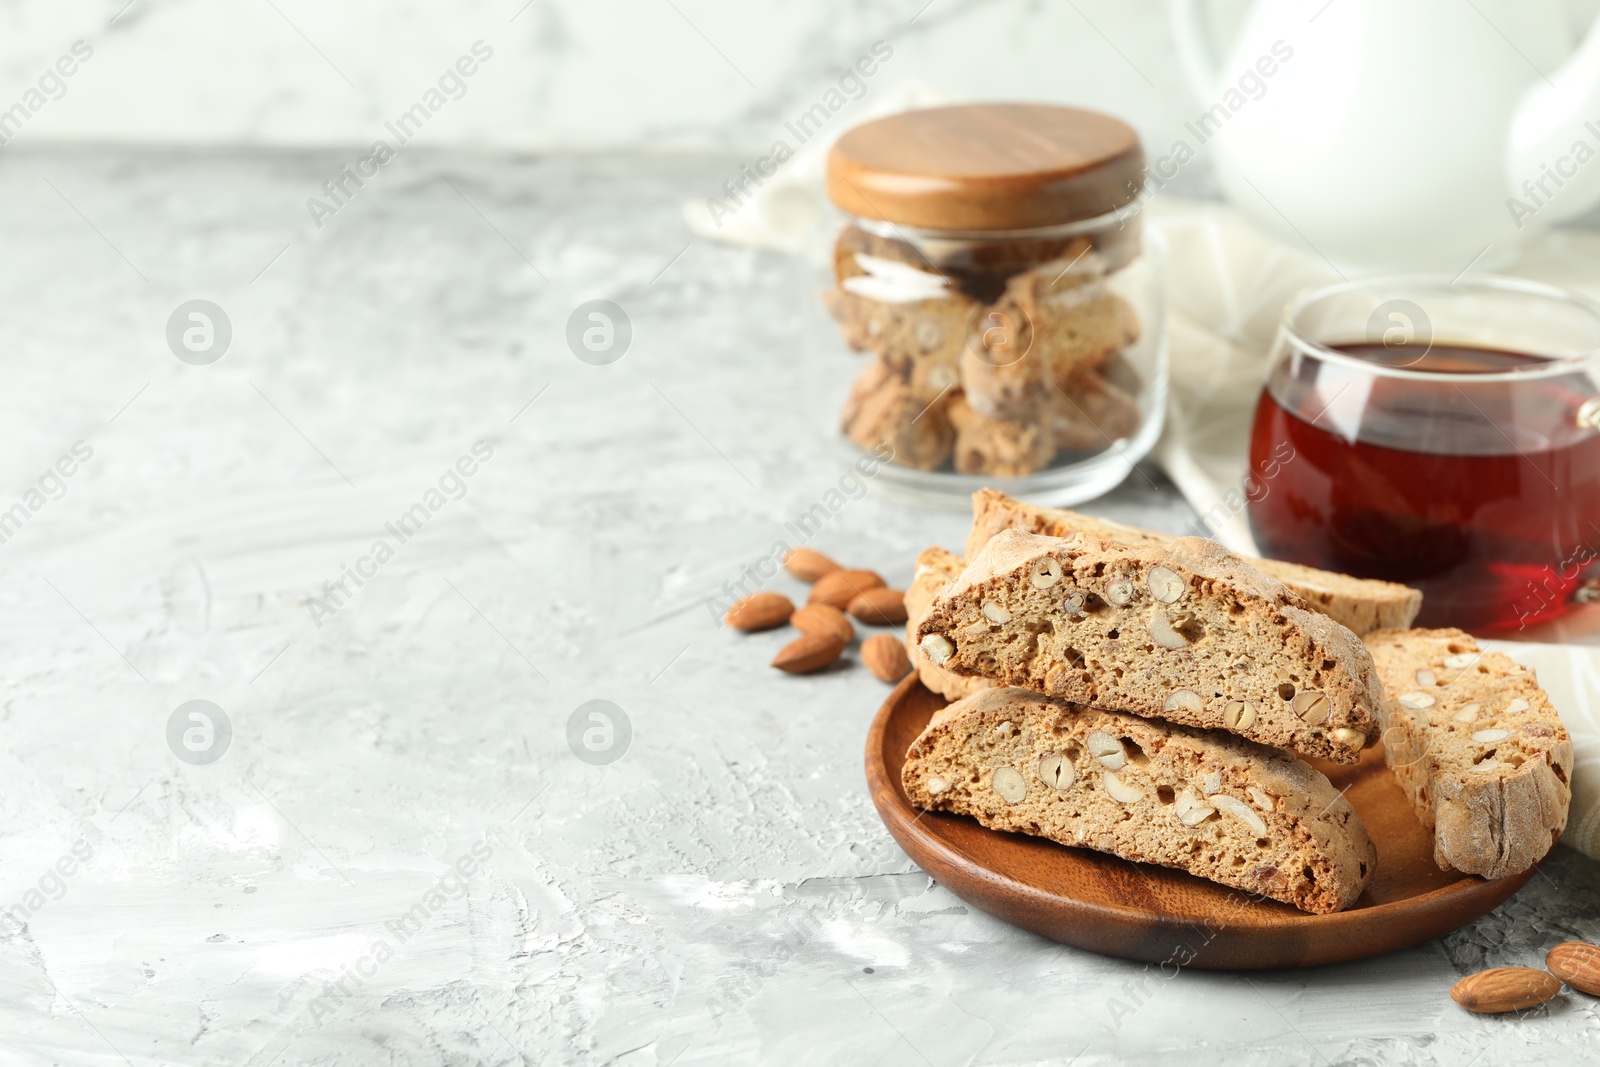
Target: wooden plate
1141, 911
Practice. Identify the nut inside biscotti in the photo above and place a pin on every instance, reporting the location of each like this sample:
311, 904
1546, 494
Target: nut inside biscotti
1210, 804
1185, 631
1478, 748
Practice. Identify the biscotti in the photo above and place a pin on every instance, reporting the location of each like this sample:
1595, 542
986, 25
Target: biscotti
1185, 631
1019, 360
1072, 315
1098, 407
1000, 376
1026, 347
1477, 748
881, 411
1004, 448
936, 567
921, 341
1361, 604
1211, 804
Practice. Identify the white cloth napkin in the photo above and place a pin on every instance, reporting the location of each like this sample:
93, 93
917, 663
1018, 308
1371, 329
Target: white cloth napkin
1229, 284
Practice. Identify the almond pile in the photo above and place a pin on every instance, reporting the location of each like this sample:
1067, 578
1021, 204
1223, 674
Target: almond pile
1502, 989
825, 629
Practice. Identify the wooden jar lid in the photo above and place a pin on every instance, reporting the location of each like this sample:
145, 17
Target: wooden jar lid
986, 167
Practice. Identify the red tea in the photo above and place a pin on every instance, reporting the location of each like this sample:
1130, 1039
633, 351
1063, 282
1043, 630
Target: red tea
1484, 495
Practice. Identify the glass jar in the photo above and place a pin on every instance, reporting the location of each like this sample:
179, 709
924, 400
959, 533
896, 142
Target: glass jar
1012, 309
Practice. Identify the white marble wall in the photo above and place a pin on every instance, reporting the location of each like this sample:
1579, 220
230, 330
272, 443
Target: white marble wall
585, 74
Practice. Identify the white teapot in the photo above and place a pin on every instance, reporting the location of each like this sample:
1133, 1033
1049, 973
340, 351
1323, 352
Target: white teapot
1416, 134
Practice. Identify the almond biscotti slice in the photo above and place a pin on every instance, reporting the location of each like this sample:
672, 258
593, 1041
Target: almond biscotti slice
1208, 803
1361, 604
1004, 448
1015, 356
881, 412
1072, 316
1186, 631
936, 568
1477, 748
1093, 411
920, 340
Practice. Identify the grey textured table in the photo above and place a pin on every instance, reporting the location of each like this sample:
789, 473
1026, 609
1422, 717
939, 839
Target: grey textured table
398, 857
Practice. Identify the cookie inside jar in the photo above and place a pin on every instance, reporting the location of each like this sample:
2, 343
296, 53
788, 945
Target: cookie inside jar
995, 276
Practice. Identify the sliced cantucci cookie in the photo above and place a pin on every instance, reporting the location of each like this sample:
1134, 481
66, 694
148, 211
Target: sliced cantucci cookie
1097, 406
1005, 448
993, 511
892, 301
1185, 631
1361, 604
882, 414
1477, 748
936, 568
1074, 318
1213, 805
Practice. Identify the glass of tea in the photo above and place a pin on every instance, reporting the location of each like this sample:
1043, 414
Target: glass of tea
1438, 433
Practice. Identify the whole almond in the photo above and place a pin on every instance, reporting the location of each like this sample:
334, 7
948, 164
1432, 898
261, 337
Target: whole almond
808, 652
808, 564
1505, 989
882, 607
885, 657
760, 611
842, 586
823, 619
1576, 963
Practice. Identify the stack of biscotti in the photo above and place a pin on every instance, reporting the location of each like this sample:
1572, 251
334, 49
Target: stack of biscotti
1150, 679
1477, 747
1362, 604
992, 368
